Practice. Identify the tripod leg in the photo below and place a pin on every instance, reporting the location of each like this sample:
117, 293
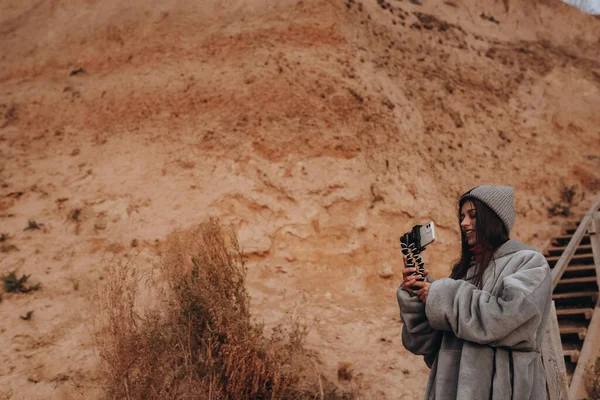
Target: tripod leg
417, 258
410, 262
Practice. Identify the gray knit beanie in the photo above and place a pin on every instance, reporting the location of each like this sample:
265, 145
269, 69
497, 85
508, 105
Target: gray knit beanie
499, 199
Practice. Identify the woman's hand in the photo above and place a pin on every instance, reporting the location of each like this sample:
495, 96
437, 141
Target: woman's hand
407, 280
423, 290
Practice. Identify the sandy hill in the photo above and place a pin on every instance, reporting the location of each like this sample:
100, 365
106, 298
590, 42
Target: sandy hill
319, 130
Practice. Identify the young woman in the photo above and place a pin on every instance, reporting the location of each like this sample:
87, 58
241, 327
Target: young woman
481, 330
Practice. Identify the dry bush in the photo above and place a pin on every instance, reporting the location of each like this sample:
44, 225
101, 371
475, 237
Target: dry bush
200, 341
592, 378
567, 201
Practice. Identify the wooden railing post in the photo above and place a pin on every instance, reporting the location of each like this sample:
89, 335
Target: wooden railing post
594, 231
591, 347
554, 362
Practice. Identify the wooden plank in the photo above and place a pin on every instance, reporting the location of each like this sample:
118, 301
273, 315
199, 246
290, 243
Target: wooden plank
554, 361
570, 328
571, 350
584, 248
580, 268
569, 231
589, 352
572, 354
563, 238
572, 281
594, 231
574, 258
580, 332
586, 312
574, 295
566, 237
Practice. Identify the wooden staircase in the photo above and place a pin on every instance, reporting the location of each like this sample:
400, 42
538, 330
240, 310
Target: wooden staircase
575, 295
574, 257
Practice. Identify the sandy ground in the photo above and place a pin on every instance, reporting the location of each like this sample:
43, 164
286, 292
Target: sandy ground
319, 130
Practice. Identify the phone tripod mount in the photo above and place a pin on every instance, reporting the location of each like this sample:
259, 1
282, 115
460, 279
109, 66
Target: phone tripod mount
410, 243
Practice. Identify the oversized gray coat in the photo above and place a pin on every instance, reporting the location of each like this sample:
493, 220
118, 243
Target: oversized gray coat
484, 344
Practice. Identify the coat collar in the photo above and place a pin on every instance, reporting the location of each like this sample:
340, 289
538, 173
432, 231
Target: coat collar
509, 247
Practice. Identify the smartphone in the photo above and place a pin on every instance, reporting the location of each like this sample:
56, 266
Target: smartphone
426, 234
420, 235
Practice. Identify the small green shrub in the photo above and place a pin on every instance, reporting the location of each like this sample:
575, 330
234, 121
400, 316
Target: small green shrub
12, 284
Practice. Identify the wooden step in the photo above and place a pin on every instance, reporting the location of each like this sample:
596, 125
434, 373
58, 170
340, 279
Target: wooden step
558, 250
585, 311
579, 271
581, 268
572, 328
562, 240
569, 229
574, 295
573, 281
572, 354
576, 259
571, 350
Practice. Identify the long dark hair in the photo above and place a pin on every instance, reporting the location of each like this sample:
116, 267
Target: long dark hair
490, 233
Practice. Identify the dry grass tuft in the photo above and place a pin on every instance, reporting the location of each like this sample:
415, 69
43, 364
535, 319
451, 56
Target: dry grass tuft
345, 371
200, 342
13, 284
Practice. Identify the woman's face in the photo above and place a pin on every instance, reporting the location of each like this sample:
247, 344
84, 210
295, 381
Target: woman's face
467, 222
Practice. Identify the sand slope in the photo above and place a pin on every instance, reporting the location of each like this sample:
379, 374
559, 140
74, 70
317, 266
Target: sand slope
319, 130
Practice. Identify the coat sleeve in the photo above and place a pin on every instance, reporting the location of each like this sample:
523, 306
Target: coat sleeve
418, 336
509, 320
